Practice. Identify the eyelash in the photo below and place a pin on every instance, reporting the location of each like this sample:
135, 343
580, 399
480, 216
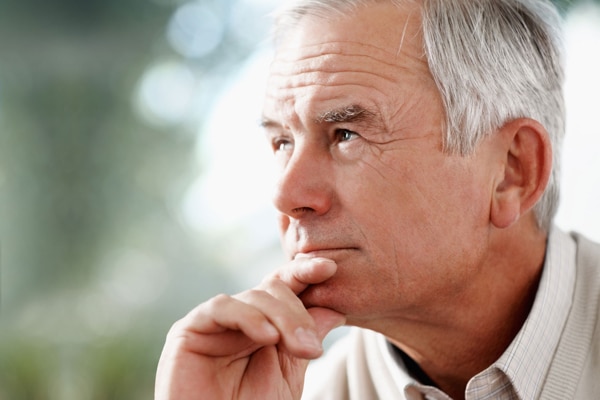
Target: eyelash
341, 135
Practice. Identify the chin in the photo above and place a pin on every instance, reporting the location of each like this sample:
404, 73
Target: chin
317, 296
327, 295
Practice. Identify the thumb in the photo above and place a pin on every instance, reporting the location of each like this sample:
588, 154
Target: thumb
326, 320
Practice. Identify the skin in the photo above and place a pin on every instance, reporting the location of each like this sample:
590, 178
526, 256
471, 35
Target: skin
383, 229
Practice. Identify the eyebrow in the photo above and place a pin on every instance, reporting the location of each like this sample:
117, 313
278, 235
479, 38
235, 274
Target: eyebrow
345, 114
350, 113
267, 123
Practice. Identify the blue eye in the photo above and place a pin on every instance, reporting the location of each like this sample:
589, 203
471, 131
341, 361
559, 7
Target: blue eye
344, 135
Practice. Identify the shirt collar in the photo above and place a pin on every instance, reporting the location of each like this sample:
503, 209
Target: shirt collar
528, 358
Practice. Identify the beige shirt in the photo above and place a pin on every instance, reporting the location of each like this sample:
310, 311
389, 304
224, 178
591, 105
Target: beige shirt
556, 355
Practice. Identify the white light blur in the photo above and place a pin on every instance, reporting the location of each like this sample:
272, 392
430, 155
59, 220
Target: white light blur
195, 30
250, 19
580, 192
132, 278
166, 93
237, 181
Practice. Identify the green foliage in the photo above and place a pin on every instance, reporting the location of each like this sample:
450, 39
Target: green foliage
24, 367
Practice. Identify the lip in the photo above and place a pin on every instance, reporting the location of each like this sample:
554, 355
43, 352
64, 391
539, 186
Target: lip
325, 252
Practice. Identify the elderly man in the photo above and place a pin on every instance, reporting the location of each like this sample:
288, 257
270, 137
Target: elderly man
414, 143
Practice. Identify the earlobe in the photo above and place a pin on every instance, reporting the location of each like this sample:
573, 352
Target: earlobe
527, 163
505, 209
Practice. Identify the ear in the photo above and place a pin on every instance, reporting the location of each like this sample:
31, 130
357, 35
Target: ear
527, 163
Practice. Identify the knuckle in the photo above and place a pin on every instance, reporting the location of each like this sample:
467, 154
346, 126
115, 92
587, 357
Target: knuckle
177, 330
208, 308
218, 301
252, 295
270, 281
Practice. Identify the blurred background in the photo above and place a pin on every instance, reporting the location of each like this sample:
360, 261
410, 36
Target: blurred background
135, 183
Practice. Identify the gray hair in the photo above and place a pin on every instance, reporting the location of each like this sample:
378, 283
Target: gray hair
492, 60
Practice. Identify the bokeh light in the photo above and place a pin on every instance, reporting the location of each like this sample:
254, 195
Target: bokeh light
166, 93
195, 30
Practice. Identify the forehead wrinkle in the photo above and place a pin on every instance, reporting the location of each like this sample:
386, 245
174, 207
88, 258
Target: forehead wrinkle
288, 89
326, 72
323, 56
281, 81
340, 47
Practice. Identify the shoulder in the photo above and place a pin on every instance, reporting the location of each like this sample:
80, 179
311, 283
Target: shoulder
576, 365
588, 252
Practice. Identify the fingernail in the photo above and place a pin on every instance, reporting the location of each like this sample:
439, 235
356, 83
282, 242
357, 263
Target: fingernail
310, 262
324, 260
269, 329
308, 338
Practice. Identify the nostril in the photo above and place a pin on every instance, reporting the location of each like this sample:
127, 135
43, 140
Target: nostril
302, 210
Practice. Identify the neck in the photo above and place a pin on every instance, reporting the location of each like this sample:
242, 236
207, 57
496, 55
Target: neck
482, 321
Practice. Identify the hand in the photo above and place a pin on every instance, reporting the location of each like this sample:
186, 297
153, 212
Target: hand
255, 345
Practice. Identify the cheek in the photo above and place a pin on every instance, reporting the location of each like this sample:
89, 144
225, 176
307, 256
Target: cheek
449, 190
463, 198
417, 211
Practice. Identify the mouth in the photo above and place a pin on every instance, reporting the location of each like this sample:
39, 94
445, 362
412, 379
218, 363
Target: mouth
333, 253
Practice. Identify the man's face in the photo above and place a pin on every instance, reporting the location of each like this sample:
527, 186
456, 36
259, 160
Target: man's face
355, 122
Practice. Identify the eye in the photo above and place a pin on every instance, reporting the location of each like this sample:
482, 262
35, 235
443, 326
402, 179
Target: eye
345, 135
282, 144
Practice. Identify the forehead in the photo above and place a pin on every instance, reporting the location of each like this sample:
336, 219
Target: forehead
327, 59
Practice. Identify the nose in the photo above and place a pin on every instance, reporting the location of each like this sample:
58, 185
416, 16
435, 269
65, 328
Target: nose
305, 186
